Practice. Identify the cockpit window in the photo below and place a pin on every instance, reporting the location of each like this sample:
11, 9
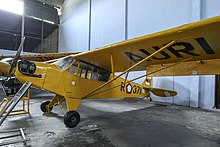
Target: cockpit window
73, 69
64, 62
95, 74
88, 71
9, 60
103, 75
85, 70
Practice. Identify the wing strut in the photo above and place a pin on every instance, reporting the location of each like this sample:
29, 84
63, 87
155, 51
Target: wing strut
126, 76
130, 68
112, 66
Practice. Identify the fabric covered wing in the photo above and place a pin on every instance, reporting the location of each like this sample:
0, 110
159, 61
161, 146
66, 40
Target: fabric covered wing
197, 41
205, 67
41, 56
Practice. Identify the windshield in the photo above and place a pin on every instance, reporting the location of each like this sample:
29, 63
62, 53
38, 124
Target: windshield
63, 63
9, 60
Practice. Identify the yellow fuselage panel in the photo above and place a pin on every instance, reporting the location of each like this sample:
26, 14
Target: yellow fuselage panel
37, 82
78, 87
53, 80
4, 68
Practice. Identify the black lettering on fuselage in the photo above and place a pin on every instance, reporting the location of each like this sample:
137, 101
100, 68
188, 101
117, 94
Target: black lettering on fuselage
205, 46
187, 49
134, 89
139, 89
122, 87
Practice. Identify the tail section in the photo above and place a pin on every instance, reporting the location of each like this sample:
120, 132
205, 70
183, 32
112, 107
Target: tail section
162, 92
147, 85
147, 82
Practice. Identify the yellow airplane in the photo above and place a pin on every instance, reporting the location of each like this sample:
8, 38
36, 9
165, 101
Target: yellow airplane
192, 49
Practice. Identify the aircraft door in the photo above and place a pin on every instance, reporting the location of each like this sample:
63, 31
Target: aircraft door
76, 80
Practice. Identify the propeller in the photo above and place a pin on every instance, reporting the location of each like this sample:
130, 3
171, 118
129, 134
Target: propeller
17, 56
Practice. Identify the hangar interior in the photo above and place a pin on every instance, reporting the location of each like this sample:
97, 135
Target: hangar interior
55, 26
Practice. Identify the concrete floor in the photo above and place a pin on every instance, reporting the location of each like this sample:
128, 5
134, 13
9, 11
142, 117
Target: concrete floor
119, 123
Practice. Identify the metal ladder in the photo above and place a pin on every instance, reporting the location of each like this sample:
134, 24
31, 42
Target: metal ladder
10, 106
16, 132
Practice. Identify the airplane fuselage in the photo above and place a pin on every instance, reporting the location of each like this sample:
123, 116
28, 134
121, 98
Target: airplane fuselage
78, 84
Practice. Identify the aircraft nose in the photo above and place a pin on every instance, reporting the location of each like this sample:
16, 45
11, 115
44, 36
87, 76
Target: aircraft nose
4, 68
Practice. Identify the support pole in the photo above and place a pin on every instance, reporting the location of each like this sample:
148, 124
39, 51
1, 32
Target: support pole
22, 26
29, 96
112, 66
130, 68
90, 25
42, 36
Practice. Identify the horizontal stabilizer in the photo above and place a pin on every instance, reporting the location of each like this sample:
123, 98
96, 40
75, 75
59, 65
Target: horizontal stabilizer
161, 92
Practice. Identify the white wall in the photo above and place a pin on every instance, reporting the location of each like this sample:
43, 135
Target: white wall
206, 92
74, 26
88, 24
107, 22
149, 16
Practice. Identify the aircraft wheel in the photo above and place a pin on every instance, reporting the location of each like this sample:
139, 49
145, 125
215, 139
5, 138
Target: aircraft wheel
71, 119
43, 106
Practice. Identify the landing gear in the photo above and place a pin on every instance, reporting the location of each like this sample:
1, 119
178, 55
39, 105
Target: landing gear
71, 119
44, 106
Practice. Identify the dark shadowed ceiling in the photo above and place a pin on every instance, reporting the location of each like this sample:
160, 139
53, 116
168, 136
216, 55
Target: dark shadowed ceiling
10, 25
10, 31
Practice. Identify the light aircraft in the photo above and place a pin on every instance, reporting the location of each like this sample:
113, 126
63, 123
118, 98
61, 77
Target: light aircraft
191, 49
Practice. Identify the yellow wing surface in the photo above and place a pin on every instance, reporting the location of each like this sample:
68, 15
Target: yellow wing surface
49, 57
41, 56
197, 43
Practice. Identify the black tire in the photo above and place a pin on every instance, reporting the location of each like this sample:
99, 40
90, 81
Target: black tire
71, 119
43, 106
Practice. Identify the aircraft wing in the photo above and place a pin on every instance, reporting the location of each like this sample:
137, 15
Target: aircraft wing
197, 44
41, 56
5, 60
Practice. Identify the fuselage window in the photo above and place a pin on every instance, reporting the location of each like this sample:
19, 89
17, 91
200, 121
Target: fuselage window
88, 71
73, 68
103, 75
83, 73
100, 74
89, 74
95, 74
